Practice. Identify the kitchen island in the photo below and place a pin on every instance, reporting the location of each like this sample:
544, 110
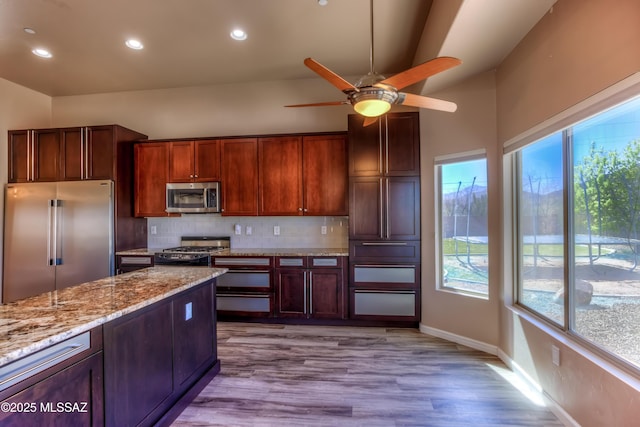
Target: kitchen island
121, 350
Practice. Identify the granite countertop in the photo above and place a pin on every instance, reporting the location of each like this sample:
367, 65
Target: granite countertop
32, 324
256, 252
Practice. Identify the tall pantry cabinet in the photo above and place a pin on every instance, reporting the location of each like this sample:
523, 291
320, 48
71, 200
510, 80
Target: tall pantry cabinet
384, 218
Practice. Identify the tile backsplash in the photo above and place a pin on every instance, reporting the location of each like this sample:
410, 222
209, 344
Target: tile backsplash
255, 231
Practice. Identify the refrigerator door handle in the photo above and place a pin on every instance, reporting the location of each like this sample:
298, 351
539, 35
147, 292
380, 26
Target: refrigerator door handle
57, 235
49, 231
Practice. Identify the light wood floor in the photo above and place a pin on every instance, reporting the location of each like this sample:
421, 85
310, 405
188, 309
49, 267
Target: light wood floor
283, 375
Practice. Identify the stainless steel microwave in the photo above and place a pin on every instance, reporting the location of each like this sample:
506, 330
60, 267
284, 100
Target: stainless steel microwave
193, 197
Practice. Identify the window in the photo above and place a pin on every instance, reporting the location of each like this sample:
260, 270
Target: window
578, 229
463, 244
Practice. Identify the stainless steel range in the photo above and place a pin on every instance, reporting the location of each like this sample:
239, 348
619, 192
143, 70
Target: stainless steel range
193, 251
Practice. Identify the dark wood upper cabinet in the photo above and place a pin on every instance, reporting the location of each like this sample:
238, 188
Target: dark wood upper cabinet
389, 147
326, 190
151, 173
239, 178
280, 182
88, 153
194, 161
304, 175
34, 155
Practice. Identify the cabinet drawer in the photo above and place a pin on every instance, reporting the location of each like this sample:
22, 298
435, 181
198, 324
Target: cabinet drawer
244, 303
242, 262
384, 275
246, 280
298, 261
384, 303
384, 251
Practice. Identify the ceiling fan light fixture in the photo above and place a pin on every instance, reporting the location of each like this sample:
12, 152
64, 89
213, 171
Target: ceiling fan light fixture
373, 101
372, 107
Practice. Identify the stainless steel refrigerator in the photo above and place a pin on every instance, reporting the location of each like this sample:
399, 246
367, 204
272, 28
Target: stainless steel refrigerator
56, 235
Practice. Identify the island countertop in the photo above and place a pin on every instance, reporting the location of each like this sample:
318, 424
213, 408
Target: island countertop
32, 324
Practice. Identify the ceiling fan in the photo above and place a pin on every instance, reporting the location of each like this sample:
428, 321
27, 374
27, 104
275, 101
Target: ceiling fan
373, 95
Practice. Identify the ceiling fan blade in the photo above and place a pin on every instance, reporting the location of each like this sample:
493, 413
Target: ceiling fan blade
369, 121
330, 76
421, 72
425, 102
320, 104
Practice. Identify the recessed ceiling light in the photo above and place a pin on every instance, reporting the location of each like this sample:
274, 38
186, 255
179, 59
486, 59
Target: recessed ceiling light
29, 30
42, 53
134, 44
238, 34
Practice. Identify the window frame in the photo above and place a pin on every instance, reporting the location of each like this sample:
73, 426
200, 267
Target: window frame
439, 162
612, 97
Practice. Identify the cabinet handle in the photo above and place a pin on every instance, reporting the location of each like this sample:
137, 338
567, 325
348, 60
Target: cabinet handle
382, 216
304, 295
384, 243
310, 293
196, 175
82, 154
299, 209
386, 219
32, 157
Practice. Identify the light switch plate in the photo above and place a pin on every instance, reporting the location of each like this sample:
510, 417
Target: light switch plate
276, 230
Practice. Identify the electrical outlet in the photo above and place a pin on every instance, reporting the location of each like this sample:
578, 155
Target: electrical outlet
188, 311
248, 230
238, 229
323, 229
154, 229
276, 230
555, 355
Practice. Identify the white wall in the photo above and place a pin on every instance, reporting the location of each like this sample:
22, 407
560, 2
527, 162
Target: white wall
471, 127
20, 108
576, 51
220, 110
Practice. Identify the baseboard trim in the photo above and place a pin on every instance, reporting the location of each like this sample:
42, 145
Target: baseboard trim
459, 339
553, 406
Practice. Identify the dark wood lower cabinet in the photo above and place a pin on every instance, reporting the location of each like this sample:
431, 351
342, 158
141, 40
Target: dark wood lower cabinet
306, 292
154, 356
138, 364
71, 397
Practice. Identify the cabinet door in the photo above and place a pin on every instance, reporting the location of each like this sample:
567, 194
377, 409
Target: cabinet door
138, 364
365, 146
79, 384
402, 202
326, 293
151, 173
325, 180
46, 154
87, 153
389, 147
292, 293
100, 146
72, 156
280, 183
239, 176
181, 161
402, 144
366, 214
19, 159
207, 160
194, 332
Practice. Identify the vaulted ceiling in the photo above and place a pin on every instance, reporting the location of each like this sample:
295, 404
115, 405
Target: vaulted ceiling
188, 43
